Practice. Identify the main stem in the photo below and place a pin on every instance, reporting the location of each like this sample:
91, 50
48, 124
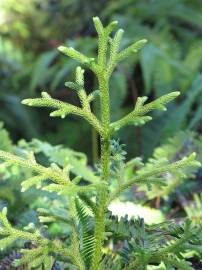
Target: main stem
105, 159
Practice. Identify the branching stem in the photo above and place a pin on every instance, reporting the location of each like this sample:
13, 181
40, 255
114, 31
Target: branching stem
103, 81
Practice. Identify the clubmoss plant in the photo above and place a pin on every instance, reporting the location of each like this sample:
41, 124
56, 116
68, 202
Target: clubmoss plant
89, 233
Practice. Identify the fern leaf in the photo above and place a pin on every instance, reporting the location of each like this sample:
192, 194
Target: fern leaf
86, 235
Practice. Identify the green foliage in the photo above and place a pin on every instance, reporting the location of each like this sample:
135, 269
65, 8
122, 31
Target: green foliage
171, 60
137, 116
194, 209
89, 197
182, 144
87, 240
6, 143
62, 156
33, 257
146, 243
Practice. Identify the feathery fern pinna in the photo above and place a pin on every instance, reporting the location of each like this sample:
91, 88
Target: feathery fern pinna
140, 246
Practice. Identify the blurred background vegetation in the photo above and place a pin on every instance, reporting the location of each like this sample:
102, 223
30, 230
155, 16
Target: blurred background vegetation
31, 31
29, 63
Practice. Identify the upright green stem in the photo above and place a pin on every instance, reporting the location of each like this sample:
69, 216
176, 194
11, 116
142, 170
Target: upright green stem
105, 155
105, 140
94, 146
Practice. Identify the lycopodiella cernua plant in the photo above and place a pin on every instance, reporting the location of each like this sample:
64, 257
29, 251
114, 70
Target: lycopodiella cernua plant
92, 225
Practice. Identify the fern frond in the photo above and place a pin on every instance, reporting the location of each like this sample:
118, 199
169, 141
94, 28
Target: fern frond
87, 240
151, 245
89, 203
121, 229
